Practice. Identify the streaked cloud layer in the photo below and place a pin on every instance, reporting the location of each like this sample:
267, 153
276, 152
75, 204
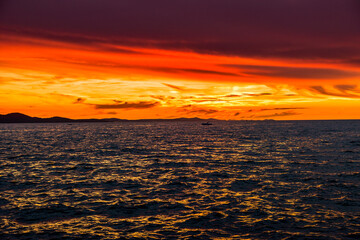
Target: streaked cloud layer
146, 59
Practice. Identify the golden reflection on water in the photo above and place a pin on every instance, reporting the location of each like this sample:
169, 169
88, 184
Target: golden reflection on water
229, 181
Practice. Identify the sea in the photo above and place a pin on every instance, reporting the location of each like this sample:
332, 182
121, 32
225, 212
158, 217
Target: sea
180, 180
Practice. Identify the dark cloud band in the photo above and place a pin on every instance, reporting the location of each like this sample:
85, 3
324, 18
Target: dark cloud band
306, 29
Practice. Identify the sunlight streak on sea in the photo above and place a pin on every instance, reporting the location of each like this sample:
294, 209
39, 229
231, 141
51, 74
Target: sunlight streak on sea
180, 180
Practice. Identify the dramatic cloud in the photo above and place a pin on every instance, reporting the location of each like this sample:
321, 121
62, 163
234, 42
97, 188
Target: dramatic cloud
227, 59
127, 105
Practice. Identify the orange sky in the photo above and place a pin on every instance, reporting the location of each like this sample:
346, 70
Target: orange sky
46, 77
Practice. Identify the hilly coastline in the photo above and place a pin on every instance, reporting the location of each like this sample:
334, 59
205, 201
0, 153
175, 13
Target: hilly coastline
22, 118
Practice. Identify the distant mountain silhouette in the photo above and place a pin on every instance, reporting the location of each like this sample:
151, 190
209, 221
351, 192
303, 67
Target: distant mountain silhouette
22, 118
18, 117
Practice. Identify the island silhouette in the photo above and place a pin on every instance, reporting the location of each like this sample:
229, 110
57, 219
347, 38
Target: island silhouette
22, 118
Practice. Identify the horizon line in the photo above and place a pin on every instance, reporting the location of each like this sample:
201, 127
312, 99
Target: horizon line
159, 119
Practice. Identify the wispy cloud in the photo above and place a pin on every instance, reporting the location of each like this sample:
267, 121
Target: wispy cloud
281, 114
127, 105
182, 89
279, 108
162, 98
247, 95
345, 91
203, 111
190, 109
201, 71
233, 96
346, 87
294, 72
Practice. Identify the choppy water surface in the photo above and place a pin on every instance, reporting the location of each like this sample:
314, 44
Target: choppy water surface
180, 180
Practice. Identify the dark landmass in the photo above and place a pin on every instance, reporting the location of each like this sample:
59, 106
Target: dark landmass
22, 118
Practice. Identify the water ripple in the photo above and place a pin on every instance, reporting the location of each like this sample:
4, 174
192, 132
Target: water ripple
166, 180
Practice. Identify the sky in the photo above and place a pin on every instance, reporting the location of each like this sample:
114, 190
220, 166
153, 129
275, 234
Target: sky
140, 59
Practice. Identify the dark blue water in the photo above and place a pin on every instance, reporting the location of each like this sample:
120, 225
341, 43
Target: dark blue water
180, 180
